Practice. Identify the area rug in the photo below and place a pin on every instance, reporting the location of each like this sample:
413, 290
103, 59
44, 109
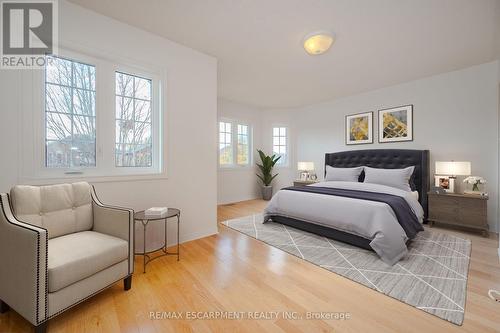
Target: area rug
432, 277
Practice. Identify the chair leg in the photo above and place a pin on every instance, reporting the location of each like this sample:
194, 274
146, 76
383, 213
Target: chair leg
3, 307
127, 283
42, 328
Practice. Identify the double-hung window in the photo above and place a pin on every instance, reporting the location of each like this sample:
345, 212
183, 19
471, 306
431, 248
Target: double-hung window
280, 144
100, 118
234, 144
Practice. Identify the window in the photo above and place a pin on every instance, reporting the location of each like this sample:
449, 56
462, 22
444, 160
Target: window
280, 144
70, 119
234, 144
225, 146
243, 146
133, 121
97, 118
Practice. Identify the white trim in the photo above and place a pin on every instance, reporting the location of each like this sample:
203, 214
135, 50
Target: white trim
234, 144
32, 133
287, 160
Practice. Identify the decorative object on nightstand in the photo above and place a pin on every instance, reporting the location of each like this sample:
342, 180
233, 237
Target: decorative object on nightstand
299, 182
475, 181
462, 210
447, 172
306, 170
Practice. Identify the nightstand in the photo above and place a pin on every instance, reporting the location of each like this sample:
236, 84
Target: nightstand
304, 182
462, 210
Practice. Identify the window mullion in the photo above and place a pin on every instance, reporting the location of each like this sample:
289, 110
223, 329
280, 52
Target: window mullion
234, 139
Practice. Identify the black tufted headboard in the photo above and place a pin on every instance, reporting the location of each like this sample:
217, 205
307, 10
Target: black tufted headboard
388, 159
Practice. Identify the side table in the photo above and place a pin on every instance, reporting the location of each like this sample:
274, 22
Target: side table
144, 219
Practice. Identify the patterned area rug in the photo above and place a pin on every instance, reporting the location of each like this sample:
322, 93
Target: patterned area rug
433, 277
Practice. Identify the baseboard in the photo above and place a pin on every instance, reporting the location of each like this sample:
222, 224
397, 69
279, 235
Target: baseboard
234, 201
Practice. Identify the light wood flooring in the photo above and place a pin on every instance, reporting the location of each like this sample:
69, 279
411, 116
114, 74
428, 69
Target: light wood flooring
233, 272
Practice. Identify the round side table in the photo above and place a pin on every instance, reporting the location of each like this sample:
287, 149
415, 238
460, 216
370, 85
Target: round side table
145, 219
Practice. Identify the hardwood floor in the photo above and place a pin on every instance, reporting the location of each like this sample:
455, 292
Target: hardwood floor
233, 272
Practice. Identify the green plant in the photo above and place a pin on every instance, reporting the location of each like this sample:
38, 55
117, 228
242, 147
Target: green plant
266, 167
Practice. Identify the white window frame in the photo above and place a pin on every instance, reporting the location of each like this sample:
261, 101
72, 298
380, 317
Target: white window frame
33, 157
234, 143
286, 163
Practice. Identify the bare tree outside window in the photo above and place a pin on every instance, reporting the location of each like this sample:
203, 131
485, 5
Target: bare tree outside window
133, 121
70, 133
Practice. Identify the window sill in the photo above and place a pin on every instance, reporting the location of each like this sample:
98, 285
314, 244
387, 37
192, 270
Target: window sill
282, 167
236, 168
92, 179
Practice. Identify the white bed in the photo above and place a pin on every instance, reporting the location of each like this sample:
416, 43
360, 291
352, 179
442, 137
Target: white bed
375, 221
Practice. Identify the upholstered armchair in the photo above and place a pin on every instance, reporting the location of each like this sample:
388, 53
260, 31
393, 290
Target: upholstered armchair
59, 245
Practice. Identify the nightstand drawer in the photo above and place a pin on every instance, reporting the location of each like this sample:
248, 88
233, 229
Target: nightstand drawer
460, 210
472, 218
444, 215
443, 207
445, 200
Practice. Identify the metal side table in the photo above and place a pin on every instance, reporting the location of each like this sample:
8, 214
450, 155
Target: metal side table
144, 219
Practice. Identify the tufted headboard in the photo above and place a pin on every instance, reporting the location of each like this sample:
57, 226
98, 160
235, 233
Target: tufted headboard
388, 159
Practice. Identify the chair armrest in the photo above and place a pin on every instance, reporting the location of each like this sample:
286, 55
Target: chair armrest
23, 259
114, 221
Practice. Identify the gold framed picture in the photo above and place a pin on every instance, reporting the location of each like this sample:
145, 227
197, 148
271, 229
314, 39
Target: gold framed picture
395, 124
359, 128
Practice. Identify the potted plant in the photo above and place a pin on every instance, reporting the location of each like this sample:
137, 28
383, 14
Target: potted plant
266, 176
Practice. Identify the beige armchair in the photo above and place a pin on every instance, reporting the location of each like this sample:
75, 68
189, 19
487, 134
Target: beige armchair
59, 245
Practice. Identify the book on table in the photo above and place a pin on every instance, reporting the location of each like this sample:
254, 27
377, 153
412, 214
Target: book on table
156, 211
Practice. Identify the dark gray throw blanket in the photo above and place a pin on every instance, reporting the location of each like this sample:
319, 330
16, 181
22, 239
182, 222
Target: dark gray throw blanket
404, 214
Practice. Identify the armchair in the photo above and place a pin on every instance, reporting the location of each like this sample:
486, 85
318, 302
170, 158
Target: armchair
59, 245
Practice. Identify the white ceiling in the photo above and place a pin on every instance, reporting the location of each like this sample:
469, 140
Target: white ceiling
379, 42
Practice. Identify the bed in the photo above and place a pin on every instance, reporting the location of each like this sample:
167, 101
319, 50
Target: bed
359, 221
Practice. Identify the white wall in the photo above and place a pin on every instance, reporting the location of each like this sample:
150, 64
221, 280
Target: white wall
455, 116
189, 122
240, 183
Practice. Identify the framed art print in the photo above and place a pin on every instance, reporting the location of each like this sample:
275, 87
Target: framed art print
359, 128
395, 124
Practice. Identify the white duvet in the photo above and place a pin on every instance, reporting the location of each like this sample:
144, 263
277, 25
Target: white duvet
372, 220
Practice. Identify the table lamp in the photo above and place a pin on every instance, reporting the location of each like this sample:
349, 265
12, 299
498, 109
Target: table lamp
305, 169
452, 169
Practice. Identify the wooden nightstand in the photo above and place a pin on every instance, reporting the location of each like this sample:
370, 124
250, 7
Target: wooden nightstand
460, 210
304, 182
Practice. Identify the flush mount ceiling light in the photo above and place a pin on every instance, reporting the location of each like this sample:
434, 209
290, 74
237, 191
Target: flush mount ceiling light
319, 42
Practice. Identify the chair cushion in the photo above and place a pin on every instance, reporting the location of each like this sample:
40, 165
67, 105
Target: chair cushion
77, 256
61, 209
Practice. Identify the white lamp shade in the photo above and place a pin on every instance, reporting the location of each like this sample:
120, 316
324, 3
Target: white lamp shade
305, 166
453, 168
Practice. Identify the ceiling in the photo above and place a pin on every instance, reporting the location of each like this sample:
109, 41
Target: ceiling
379, 42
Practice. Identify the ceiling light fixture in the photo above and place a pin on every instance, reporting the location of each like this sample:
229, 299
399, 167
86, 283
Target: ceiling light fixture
319, 42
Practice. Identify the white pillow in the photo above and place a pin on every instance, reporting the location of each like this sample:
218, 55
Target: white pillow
398, 178
343, 174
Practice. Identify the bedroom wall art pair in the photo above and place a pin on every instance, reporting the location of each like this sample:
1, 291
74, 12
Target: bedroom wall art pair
394, 125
